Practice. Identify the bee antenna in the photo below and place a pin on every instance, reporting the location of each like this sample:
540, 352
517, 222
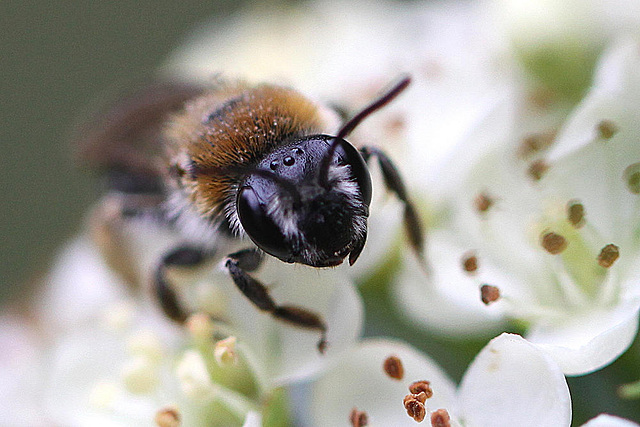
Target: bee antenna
348, 127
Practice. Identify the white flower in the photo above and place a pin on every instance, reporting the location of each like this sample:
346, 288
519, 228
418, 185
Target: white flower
545, 226
559, 41
109, 356
510, 382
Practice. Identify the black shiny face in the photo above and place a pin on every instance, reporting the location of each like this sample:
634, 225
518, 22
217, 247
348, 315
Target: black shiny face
291, 213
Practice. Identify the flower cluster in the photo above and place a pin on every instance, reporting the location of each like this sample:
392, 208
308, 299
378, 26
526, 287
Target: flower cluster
528, 188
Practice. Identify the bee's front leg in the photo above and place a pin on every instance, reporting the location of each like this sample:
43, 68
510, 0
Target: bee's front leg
180, 257
239, 264
394, 183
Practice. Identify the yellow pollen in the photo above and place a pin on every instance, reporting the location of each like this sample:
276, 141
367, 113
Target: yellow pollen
393, 367
554, 243
483, 202
537, 169
489, 294
631, 177
575, 214
606, 129
470, 263
358, 418
419, 387
440, 418
608, 255
168, 417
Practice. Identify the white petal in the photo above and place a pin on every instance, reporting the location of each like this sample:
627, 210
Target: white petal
606, 420
286, 353
79, 286
590, 341
616, 89
448, 302
358, 381
21, 368
253, 419
511, 382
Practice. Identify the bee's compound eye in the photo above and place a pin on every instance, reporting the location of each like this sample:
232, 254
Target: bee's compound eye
259, 225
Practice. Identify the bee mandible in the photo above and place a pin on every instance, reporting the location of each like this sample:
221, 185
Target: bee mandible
238, 160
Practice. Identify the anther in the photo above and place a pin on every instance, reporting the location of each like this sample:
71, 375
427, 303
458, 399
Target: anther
553, 243
483, 202
440, 418
489, 294
393, 367
419, 387
537, 169
535, 143
225, 352
168, 417
575, 213
470, 263
606, 129
415, 409
608, 255
631, 177
358, 418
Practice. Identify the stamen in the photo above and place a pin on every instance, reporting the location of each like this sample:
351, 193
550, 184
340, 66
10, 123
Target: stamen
607, 129
537, 169
470, 263
535, 143
483, 202
419, 387
608, 255
575, 213
200, 327
632, 177
415, 409
168, 417
139, 375
146, 344
193, 377
358, 418
489, 294
553, 243
225, 352
440, 418
393, 367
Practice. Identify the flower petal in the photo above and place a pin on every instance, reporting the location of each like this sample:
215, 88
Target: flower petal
589, 341
606, 420
287, 353
448, 302
359, 381
512, 382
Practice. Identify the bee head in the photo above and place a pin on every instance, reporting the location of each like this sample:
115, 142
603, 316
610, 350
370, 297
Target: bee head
308, 202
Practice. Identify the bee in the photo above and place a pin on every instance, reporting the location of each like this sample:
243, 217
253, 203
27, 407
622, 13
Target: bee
257, 164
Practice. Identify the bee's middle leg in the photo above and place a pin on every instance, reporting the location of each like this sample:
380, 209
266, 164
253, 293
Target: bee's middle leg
242, 262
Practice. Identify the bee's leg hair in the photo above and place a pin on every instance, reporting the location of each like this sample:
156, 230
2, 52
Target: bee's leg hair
395, 184
258, 294
184, 256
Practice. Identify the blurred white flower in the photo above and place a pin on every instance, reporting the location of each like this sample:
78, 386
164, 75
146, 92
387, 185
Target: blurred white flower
544, 227
559, 41
108, 356
606, 420
497, 388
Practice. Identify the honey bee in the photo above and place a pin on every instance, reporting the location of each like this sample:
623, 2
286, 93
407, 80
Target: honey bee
251, 163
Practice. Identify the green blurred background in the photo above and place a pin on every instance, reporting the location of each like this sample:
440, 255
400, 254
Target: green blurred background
57, 58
